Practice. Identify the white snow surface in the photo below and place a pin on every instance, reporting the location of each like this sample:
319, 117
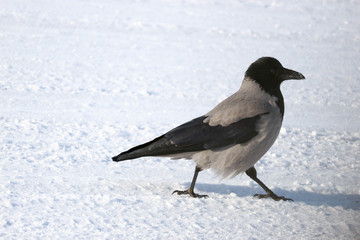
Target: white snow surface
81, 81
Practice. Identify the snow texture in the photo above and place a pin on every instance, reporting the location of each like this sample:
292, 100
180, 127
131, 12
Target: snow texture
81, 81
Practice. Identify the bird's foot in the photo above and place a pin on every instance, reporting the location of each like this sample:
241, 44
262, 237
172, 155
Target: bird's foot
273, 196
190, 193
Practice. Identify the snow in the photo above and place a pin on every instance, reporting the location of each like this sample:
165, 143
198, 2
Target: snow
81, 81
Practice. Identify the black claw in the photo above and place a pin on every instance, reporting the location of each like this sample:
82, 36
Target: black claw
273, 196
190, 193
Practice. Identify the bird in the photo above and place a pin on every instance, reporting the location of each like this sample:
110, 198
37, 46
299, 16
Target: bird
234, 135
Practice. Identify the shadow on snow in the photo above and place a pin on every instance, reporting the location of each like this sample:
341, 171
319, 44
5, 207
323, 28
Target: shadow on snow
347, 201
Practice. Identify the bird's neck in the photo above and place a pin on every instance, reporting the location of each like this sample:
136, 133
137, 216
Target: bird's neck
280, 102
251, 86
276, 92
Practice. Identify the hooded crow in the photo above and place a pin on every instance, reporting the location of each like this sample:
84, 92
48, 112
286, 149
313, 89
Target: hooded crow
234, 135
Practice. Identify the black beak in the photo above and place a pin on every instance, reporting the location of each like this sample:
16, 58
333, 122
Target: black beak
286, 74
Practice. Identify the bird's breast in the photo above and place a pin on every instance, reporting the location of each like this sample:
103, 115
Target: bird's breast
240, 157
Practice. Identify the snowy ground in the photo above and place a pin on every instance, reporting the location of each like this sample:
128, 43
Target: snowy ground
81, 81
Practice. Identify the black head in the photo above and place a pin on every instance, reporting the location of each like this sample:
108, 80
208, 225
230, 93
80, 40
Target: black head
269, 73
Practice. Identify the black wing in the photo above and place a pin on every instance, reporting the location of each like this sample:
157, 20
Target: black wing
194, 136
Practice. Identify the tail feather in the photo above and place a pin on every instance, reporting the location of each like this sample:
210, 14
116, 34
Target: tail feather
147, 149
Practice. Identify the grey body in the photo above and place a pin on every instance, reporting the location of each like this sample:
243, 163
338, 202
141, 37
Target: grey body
248, 102
235, 134
252, 101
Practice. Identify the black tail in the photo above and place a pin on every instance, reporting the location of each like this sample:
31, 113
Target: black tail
152, 148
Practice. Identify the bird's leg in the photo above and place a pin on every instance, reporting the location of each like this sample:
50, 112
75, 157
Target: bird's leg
251, 172
190, 191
